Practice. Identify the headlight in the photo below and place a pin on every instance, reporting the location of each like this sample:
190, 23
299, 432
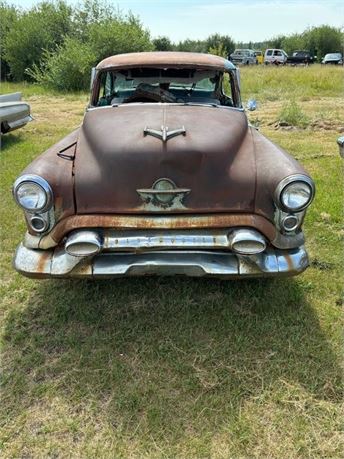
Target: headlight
294, 193
32, 193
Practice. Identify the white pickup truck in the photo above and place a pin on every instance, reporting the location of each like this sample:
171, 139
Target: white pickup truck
14, 113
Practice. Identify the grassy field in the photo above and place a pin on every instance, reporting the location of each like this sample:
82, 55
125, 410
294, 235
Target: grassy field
181, 368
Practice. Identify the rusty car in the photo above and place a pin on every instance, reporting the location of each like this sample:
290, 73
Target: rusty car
165, 176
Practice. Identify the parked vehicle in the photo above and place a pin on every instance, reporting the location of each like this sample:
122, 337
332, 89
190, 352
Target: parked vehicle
259, 56
243, 57
275, 56
164, 176
14, 113
340, 142
333, 59
300, 58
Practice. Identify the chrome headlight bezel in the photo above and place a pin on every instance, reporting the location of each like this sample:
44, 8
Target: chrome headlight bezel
285, 183
42, 184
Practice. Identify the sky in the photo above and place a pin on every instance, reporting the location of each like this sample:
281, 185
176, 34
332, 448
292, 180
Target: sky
243, 20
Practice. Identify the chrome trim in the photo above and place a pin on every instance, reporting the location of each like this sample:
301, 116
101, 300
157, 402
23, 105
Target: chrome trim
288, 241
164, 134
19, 123
77, 238
39, 217
286, 181
57, 263
40, 182
163, 197
293, 227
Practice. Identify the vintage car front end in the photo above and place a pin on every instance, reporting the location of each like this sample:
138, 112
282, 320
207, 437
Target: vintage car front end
163, 178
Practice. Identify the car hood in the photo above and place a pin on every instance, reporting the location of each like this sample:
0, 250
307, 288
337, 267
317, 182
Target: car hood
117, 164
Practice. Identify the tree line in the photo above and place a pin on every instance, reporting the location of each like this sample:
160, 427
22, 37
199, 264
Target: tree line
56, 44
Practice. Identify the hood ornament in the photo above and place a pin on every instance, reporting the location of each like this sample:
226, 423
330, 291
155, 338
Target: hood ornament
163, 193
164, 134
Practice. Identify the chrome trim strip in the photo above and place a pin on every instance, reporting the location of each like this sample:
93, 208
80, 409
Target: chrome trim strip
114, 240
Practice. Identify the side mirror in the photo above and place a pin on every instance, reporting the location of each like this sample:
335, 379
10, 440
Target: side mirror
251, 105
93, 75
340, 142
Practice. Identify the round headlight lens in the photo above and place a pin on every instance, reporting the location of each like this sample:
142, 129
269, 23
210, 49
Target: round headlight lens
31, 196
33, 193
296, 195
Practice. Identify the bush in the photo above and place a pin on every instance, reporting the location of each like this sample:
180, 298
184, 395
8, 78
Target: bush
36, 31
67, 69
292, 114
117, 36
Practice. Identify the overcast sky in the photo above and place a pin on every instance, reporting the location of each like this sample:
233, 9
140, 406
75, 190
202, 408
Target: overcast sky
243, 20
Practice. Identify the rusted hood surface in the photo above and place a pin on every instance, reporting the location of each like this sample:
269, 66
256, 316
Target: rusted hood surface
215, 159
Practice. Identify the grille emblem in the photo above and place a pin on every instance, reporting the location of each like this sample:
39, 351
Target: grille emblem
164, 193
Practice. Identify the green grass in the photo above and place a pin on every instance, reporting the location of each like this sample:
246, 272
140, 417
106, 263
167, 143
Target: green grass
171, 367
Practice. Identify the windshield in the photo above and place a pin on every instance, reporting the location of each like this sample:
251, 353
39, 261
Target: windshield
164, 85
333, 56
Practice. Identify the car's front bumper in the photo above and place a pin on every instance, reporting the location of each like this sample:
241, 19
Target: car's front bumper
196, 263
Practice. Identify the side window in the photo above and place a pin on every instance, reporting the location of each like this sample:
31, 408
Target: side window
269, 53
106, 89
108, 84
227, 90
277, 53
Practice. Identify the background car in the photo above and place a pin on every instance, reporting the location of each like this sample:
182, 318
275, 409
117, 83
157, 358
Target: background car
14, 113
259, 56
300, 58
243, 57
275, 56
333, 58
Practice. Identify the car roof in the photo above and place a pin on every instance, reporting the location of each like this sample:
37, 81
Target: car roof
166, 58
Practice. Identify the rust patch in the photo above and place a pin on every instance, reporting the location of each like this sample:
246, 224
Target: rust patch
44, 259
158, 222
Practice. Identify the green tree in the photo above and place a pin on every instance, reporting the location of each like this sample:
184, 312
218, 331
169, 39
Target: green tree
218, 41
193, 46
118, 35
40, 29
162, 44
276, 42
8, 18
324, 39
293, 43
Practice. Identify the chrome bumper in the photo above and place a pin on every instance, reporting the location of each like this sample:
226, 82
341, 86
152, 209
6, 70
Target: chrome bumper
19, 123
196, 263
